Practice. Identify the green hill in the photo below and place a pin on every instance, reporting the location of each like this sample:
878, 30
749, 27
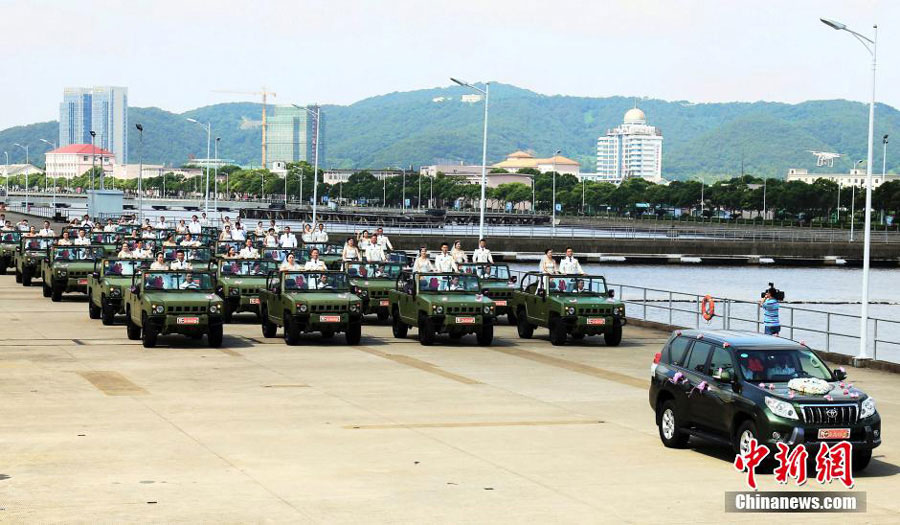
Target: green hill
399, 129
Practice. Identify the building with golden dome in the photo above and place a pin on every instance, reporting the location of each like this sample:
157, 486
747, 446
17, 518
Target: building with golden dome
633, 149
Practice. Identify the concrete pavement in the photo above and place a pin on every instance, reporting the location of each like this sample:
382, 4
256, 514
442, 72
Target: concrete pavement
93, 427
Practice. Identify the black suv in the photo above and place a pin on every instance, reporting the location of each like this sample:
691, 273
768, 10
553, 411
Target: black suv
731, 386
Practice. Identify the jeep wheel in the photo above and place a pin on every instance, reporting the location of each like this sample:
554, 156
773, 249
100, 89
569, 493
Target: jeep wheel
133, 330
227, 312
861, 459
511, 318
398, 326
46, 290
93, 311
741, 445
4, 264
18, 276
426, 331
485, 335
149, 335
56, 293
557, 332
107, 312
669, 426
383, 316
268, 327
614, 336
26, 277
354, 333
291, 331
214, 337
526, 329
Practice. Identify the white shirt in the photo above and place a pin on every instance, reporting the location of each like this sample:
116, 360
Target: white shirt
570, 265
160, 225
109, 228
458, 255
271, 241
350, 253
249, 252
423, 265
181, 265
288, 266
307, 236
443, 262
548, 265
126, 255
482, 255
315, 264
159, 266
192, 242
46, 232
287, 240
320, 236
384, 242
81, 241
237, 234
195, 227
364, 243
374, 253
88, 224
64, 242
203, 221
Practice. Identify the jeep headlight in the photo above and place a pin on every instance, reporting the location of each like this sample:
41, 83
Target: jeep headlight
354, 307
61, 273
570, 310
867, 408
620, 310
781, 408
158, 308
214, 308
486, 309
234, 291
436, 308
302, 308
115, 291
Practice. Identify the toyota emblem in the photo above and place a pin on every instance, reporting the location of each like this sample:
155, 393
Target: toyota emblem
831, 413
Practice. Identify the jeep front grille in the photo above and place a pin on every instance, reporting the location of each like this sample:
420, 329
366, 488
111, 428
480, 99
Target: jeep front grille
186, 309
378, 294
249, 291
593, 311
328, 308
831, 414
494, 294
465, 310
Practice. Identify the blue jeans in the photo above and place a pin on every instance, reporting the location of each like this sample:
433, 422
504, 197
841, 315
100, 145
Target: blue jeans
773, 330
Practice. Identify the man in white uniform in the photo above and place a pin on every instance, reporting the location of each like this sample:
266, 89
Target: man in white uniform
195, 227
248, 251
314, 263
180, 263
287, 239
569, 264
320, 235
482, 254
443, 262
374, 252
383, 240
47, 231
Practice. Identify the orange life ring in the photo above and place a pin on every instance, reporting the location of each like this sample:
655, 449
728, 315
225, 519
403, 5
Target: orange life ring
708, 307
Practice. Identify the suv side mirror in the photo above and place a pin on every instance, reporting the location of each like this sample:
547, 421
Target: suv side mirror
612, 293
724, 376
96, 275
840, 375
514, 279
136, 290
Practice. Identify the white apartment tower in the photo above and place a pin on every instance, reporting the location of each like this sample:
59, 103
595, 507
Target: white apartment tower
633, 149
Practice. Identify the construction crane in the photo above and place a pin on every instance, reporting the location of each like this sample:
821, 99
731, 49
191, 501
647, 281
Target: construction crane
265, 93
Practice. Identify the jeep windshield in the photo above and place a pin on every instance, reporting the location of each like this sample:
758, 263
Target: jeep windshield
279, 254
222, 247
75, 253
105, 238
486, 271
316, 282
373, 270
200, 255
124, 266
177, 281
779, 366
324, 249
577, 285
247, 268
10, 237
448, 283
37, 244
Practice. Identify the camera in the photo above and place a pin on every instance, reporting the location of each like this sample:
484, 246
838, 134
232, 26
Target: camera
776, 294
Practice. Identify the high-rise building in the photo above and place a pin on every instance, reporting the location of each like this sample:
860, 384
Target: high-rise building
101, 109
633, 149
291, 135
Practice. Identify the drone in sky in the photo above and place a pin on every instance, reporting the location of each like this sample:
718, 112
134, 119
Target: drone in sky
825, 158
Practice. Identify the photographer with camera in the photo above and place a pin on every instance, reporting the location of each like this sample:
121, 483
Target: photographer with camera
769, 303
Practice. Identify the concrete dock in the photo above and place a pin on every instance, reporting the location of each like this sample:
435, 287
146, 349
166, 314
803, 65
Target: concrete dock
94, 428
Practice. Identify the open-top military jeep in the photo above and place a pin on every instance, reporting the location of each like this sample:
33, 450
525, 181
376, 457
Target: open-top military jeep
441, 303
310, 301
199, 258
238, 282
221, 248
372, 282
9, 243
576, 305
66, 269
107, 284
110, 241
330, 253
28, 257
173, 302
498, 283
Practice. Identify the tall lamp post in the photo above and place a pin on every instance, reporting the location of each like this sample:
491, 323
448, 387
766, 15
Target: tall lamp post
871, 45
52, 145
317, 113
6, 173
216, 179
208, 147
93, 158
140, 129
553, 217
27, 162
486, 92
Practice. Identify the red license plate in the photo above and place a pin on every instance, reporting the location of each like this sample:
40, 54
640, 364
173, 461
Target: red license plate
188, 320
834, 433
82, 281
465, 320
329, 319
596, 320
254, 300
500, 302
384, 302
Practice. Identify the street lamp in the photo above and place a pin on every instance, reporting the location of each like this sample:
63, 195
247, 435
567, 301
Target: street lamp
871, 45
316, 114
93, 158
140, 129
216, 179
6, 173
27, 162
208, 144
52, 145
486, 92
553, 217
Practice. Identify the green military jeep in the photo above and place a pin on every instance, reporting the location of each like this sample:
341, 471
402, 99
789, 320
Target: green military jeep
106, 286
330, 253
110, 241
576, 305
28, 257
310, 301
173, 302
67, 268
238, 282
442, 303
9, 243
497, 282
372, 282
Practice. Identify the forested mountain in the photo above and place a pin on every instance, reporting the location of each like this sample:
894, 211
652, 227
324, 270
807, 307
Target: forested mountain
399, 129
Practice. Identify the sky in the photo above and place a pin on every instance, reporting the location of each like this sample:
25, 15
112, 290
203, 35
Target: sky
175, 54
